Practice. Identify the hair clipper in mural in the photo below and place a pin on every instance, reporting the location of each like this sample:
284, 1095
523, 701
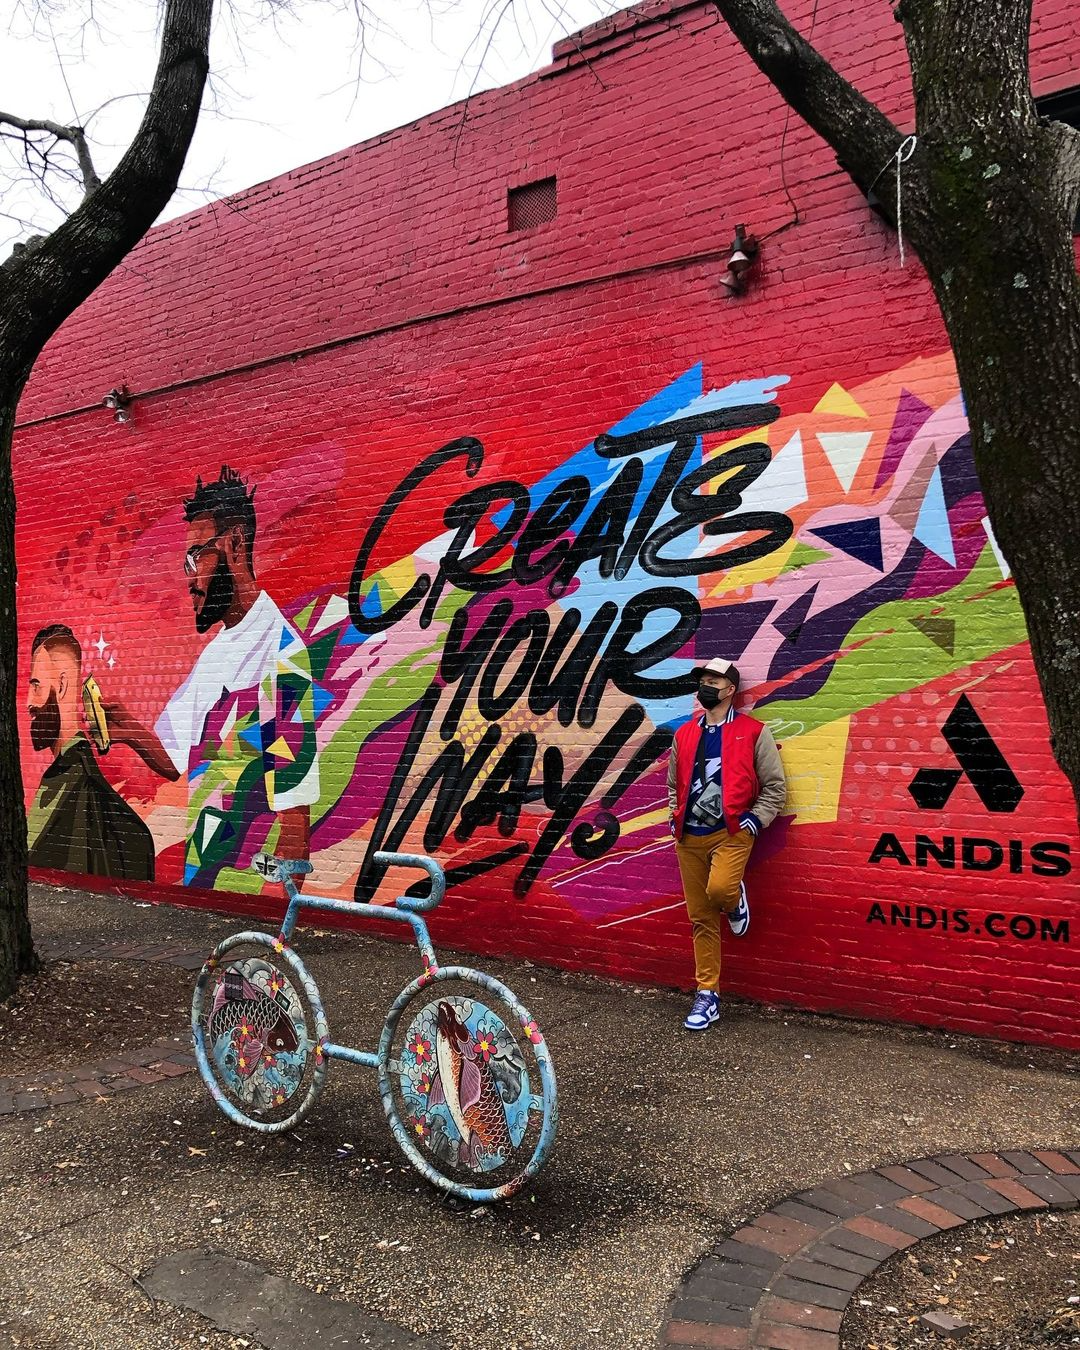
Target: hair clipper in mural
241, 727
77, 822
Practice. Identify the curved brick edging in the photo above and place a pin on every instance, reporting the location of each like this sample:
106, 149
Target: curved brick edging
783, 1281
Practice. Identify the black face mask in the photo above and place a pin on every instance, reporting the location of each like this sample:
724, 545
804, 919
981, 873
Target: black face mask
708, 696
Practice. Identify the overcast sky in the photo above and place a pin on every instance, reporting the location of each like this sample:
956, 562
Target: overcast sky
285, 91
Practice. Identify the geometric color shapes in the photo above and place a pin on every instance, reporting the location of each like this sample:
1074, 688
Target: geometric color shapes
803, 555
229, 722
860, 539
911, 413
288, 696
336, 609
940, 630
908, 503
729, 629
211, 823
253, 736
791, 621
322, 698
231, 769
932, 529
837, 401
845, 450
783, 484
1006, 570
281, 749
319, 654
814, 766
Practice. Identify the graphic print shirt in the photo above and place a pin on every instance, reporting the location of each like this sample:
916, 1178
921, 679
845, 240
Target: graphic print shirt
713, 740
242, 728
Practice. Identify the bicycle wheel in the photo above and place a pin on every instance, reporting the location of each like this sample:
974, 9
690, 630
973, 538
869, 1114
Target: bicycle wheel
467, 1084
259, 1031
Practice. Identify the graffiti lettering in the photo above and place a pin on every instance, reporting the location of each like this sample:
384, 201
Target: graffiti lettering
603, 534
502, 659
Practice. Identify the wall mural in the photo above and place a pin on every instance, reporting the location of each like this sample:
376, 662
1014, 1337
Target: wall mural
501, 690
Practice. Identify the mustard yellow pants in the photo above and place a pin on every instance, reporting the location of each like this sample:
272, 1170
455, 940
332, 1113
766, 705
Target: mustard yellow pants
711, 867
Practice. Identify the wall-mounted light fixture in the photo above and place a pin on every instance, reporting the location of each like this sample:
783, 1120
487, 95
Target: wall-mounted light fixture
743, 256
119, 400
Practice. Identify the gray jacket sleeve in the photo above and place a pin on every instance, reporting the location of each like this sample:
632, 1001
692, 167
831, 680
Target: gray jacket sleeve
772, 786
672, 783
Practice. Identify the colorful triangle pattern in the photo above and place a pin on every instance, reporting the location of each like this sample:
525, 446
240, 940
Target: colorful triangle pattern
782, 486
909, 418
940, 630
860, 539
837, 402
845, 450
932, 528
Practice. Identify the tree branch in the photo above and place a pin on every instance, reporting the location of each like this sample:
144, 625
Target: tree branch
74, 136
860, 133
46, 285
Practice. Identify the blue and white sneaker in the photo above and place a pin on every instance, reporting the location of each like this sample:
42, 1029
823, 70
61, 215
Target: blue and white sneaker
739, 918
704, 1013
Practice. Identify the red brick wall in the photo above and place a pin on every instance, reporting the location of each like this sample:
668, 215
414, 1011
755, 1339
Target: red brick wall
326, 332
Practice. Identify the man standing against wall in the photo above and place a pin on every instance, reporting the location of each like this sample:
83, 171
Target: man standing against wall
242, 725
78, 822
725, 785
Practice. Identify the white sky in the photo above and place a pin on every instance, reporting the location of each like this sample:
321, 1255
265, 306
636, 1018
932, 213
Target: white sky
285, 89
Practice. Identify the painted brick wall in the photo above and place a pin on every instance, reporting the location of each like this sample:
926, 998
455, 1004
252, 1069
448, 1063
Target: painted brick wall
328, 332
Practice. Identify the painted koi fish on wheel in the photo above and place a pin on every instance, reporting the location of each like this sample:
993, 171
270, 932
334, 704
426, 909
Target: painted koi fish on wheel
469, 1090
254, 1021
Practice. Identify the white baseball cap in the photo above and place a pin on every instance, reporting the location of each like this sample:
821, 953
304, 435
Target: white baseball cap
718, 666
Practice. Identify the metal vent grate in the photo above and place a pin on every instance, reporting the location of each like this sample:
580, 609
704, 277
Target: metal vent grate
531, 204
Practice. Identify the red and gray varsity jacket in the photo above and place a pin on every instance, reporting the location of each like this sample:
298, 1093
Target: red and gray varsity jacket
751, 774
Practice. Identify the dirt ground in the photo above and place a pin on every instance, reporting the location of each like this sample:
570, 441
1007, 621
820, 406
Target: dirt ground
1011, 1280
74, 1013
667, 1142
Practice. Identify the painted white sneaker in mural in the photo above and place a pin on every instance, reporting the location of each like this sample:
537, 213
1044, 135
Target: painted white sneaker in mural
739, 918
704, 1013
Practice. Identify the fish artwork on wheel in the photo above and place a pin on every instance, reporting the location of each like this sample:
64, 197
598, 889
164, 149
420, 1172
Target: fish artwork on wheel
255, 1022
464, 1082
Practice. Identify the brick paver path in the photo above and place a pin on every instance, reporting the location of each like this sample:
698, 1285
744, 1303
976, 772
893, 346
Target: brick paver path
122, 1072
783, 1281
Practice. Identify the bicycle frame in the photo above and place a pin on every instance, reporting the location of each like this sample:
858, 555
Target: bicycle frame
405, 909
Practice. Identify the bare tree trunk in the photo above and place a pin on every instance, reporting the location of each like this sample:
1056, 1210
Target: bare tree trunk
38, 290
989, 199
16, 949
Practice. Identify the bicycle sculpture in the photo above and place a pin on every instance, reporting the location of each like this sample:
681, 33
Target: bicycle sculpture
466, 1078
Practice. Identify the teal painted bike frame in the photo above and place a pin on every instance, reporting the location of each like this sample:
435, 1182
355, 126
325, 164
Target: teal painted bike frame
405, 909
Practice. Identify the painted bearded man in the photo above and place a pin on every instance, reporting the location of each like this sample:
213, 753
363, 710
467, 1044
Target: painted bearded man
241, 728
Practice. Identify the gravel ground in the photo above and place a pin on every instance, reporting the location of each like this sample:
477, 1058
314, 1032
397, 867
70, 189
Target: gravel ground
666, 1142
1011, 1280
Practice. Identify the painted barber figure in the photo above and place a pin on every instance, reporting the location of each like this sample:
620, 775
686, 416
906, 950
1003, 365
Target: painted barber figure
725, 785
